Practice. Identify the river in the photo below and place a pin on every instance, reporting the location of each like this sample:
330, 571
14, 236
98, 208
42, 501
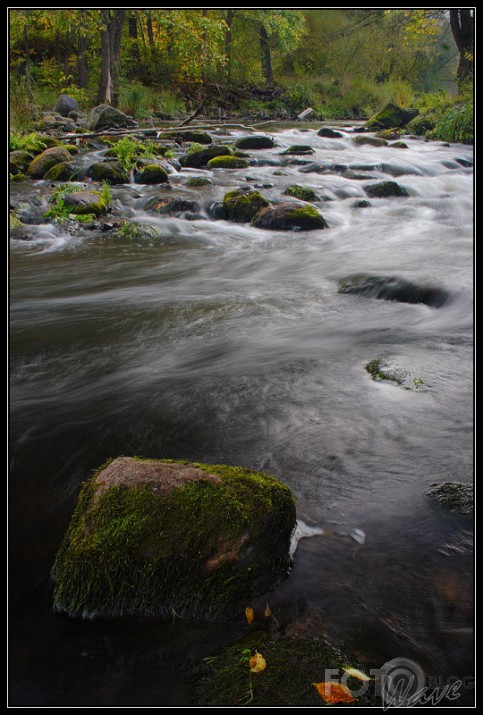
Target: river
223, 343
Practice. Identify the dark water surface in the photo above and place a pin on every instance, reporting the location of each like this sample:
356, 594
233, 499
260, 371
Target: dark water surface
219, 342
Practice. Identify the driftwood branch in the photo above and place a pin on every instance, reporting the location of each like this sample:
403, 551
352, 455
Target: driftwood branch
195, 114
166, 130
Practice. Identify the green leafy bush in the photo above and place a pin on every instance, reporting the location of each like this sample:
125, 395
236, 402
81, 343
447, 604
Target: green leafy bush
26, 142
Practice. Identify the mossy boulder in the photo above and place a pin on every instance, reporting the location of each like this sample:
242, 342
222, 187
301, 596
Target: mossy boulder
385, 190
110, 171
189, 135
152, 174
399, 145
293, 665
17, 178
422, 123
153, 538
299, 149
290, 216
393, 288
137, 232
304, 193
198, 181
227, 162
241, 206
454, 495
329, 133
255, 141
19, 161
71, 148
391, 116
86, 202
49, 141
371, 141
104, 117
199, 158
46, 160
162, 205
389, 134
63, 172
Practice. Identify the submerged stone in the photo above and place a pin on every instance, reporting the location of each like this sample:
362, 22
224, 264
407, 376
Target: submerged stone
393, 288
455, 495
385, 189
329, 133
154, 538
371, 141
255, 141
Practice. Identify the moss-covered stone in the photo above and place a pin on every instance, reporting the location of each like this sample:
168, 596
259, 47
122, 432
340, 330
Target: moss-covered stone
86, 202
163, 205
71, 148
389, 134
152, 174
399, 145
371, 141
422, 123
391, 116
455, 495
13, 220
385, 190
160, 537
199, 158
379, 370
242, 206
46, 160
293, 665
63, 172
290, 216
18, 161
227, 162
329, 133
197, 181
110, 171
189, 135
255, 141
299, 149
137, 232
19, 177
49, 141
304, 193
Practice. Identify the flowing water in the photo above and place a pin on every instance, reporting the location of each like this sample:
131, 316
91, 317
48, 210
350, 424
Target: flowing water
220, 342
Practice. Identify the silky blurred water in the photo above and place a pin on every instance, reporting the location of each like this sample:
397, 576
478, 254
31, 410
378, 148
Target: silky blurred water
224, 343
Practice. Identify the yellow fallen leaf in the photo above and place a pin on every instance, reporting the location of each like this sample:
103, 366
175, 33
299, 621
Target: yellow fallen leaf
334, 693
354, 673
267, 612
249, 615
257, 663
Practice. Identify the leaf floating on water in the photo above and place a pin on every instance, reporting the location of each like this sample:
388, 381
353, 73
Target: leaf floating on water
334, 693
257, 663
267, 612
249, 615
354, 673
358, 535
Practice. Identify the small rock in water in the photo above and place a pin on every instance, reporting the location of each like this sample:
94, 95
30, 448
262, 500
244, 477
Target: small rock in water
358, 535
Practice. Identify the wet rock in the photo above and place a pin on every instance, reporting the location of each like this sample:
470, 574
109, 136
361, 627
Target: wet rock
304, 193
197, 181
399, 145
299, 149
110, 171
454, 495
255, 141
422, 123
389, 134
371, 141
393, 288
329, 133
199, 158
188, 135
137, 232
385, 189
227, 162
19, 161
152, 174
46, 160
86, 202
64, 172
149, 538
162, 205
290, 216
105, 117
391, 116
241, 206
66, 104
467, 163
360, 204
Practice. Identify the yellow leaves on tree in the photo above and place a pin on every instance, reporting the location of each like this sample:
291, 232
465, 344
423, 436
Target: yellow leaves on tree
249, 615
257, 663
334, 693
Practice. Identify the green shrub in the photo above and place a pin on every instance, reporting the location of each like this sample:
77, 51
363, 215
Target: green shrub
128, 150
26, 142
456, 124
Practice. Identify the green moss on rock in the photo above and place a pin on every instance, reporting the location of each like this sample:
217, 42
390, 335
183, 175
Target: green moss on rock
385, 189
379, 371
110, 171
86, 202
155, 537
46, 160
197, 181
152, 174
242, 206
71, 148
391, 116
19, 177
227, 162
304, 193
19, 161
189, 135
63, 172
293, 665
422, 123
329, 133
138, 232
399, 145
371, 141
290, 216
199, 158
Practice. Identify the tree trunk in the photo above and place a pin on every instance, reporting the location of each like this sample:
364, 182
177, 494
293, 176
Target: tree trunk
105, 86
228, 38
266, 56
82, 66
111, 36
133, 34
462, 26
115, 42
149, 25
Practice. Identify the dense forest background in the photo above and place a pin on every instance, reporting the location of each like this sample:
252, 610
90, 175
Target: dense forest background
344, 63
